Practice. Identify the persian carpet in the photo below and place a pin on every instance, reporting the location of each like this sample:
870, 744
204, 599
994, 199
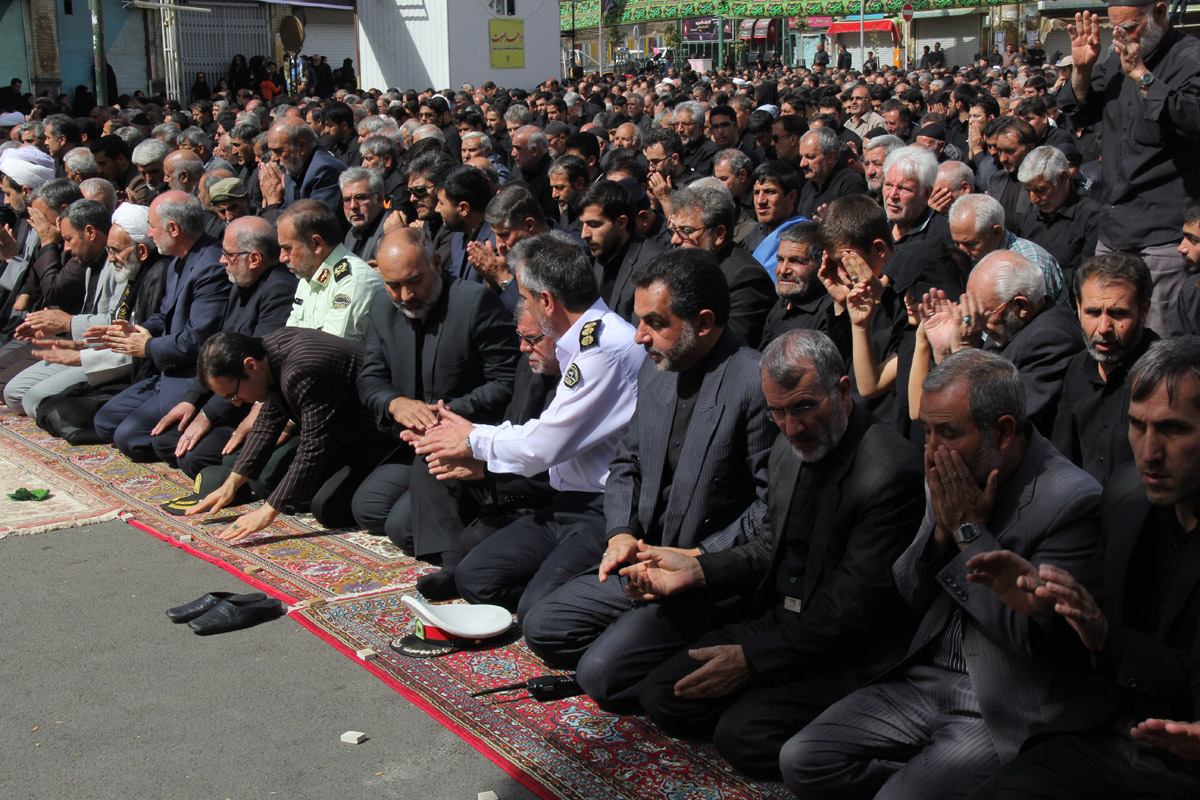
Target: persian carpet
562, 749
71, 502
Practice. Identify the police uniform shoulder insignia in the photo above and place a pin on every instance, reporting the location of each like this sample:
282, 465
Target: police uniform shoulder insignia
589, 335
341, 269
341, 301
322, 276
571, 376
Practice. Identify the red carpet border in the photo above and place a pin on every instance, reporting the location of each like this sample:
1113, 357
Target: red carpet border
563, 749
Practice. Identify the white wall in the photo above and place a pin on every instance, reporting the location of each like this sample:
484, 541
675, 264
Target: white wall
413, 44
470, 50
402, 43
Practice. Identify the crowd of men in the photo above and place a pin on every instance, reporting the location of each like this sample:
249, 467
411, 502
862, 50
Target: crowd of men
851, 421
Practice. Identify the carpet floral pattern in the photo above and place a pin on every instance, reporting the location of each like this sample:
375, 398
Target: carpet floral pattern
562, 749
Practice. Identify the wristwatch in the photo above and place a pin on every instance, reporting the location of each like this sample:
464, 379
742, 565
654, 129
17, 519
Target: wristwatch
1145, 81
966, 533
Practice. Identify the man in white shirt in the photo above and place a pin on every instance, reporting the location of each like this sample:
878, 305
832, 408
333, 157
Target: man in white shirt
575, 438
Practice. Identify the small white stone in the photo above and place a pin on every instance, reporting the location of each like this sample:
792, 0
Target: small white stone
486, 796
353, 737
186, 537
366, 654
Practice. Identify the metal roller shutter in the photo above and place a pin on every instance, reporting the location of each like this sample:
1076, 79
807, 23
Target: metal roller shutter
331, 33
1060, 40
208, 42
13, 61
75, 61
125, 49
959, 35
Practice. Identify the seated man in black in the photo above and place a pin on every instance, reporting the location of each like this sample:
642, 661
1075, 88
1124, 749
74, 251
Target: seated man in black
1141, 626
691, 472
457, 503
1091, 427
844, 499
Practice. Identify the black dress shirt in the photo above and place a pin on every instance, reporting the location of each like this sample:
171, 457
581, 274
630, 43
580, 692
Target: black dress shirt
1092, 424
813, 312
840, 183
1068, 233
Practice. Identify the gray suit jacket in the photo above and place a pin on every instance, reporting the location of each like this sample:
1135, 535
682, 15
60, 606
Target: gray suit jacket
718, 494
1048, 513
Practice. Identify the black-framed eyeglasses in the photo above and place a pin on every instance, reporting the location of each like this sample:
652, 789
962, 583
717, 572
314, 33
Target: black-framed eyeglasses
686, 233
237, 387
531, 340
235, 253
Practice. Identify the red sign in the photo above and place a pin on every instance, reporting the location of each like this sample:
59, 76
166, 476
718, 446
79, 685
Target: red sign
907, 12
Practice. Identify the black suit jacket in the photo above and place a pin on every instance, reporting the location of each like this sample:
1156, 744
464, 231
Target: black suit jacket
467, 358
720, 488
854, 623
639, 252
1041, 352
751, 294
1161, 669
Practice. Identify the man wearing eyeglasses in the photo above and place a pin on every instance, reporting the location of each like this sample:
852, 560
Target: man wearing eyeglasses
844, 498
698, 150
704, 218
663, 149
364, 207
336, 286
684, 476
196, 432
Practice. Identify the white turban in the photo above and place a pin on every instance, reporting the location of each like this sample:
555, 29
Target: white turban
134, 220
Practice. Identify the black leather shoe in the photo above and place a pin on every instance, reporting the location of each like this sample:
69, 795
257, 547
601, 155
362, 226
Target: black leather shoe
229, 616
202, 604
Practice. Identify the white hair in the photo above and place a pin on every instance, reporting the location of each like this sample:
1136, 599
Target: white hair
917, 163
1047, 163
982, 210
1018, 277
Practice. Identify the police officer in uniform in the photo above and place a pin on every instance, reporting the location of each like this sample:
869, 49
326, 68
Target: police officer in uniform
575, 438
336, 286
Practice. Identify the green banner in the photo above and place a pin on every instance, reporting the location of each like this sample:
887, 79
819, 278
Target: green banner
585, 13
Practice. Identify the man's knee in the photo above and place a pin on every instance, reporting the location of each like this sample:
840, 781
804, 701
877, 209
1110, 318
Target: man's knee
808, 764
751, 752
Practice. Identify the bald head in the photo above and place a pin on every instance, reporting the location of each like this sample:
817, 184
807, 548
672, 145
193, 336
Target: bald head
183, 169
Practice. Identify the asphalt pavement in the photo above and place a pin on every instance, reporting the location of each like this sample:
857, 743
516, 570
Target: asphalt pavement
103, 697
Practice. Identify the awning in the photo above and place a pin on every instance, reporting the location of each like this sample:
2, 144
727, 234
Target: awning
761, 28
747, 29
877, 25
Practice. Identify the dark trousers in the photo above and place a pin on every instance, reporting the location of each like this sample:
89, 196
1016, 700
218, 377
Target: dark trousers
919, 735
382, 504
128, 418
204, 453
454, 515
521, 564
1101, 763
611, 641
748, 727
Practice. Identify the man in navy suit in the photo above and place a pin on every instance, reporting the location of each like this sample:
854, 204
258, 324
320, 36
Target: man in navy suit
194, 433
193, 307
463, 194
691, 472
309, 171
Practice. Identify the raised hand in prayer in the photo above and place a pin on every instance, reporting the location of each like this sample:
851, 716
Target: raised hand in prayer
1012, 579
940, 319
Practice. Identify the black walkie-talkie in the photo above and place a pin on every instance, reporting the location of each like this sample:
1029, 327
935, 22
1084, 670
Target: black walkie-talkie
541, 688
